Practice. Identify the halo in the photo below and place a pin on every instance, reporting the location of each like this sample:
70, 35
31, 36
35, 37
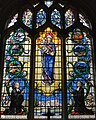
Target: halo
48, 33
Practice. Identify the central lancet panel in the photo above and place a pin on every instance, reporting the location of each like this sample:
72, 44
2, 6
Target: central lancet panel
48, 93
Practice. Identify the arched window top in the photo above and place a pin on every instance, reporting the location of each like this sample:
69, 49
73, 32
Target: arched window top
68, 16
48, 67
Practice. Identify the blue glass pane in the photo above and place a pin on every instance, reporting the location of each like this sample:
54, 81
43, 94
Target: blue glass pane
27, 18
40, 18
15, 86
56, 18
48, 3
69, 18
80, 81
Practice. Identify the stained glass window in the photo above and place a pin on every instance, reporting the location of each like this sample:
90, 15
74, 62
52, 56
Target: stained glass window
80, 80
40, 18
13, 21
15, 86
27, 18
48, 70
69, 18
56, 18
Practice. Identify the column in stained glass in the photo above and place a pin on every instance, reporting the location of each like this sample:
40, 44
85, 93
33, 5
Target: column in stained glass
48, 93
40, 18
15, 86
80, 80
27, 18
13, 20
69, 18
56, 18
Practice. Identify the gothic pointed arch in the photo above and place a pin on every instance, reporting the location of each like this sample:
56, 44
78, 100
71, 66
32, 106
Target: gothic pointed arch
47, 69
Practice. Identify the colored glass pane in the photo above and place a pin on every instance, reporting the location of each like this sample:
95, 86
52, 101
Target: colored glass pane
48, 3
36, 5
69, 18
27, 18
56, 18
13, 20
15, 86
48, 98
40, 18
62, 5
84, 21
80, 79
48, 90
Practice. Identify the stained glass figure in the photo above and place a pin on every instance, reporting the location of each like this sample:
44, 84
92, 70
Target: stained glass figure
69, 18
48, 3
15, 86
56, 18
40, 18
13, 20
16, 99
48, 52
80, 84
48, 75
84, 21
27, 18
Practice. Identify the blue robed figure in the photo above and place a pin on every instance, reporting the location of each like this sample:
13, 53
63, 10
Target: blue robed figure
48, 52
